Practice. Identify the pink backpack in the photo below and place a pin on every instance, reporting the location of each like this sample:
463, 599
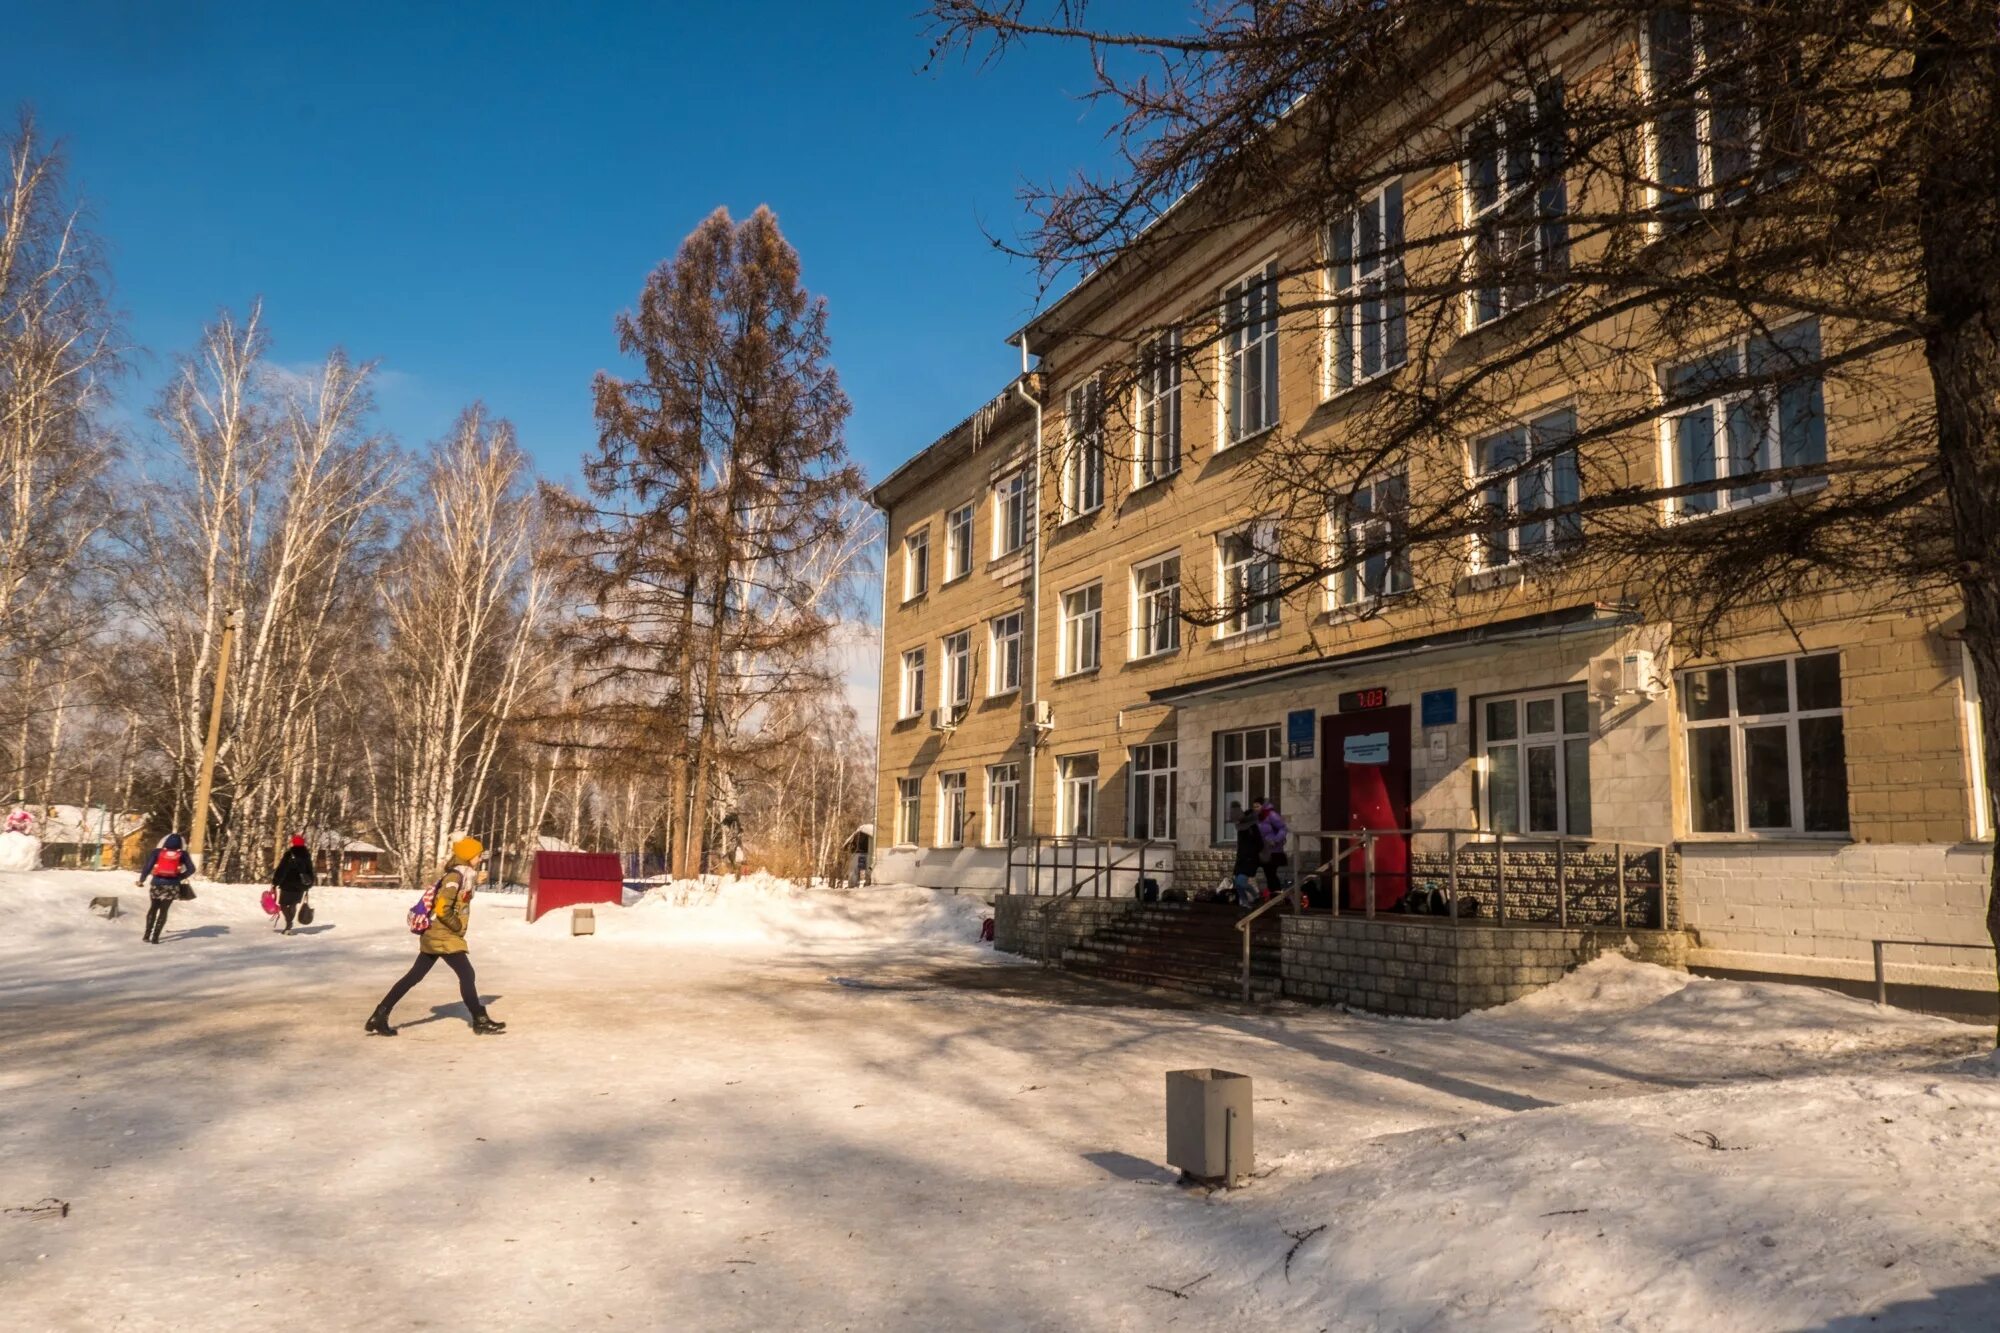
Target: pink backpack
269, 902
425, 911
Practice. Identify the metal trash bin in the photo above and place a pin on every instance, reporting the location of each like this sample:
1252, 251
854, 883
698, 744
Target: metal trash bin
1209, 1134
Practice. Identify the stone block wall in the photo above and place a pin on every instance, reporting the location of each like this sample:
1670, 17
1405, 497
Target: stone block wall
1023, 924
1652, 883
1432, 969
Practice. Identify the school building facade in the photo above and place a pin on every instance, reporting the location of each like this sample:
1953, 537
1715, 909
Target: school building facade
1813, 779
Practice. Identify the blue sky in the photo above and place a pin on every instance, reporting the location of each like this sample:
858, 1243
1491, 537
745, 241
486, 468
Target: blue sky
468, 194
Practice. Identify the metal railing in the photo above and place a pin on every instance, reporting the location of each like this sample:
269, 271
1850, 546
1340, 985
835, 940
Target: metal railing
1107, 857
1348, 845
1882, 973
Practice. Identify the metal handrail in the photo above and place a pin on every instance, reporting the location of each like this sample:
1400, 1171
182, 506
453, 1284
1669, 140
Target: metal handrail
1881, 970
1103, 870
1243, 925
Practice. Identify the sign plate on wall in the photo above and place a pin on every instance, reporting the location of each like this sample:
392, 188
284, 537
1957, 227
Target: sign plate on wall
1355, 701
1440, 707
1369, 748
1299, 733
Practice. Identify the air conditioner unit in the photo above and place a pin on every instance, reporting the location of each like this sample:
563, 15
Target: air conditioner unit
1628, 673
1045, 715
944, 718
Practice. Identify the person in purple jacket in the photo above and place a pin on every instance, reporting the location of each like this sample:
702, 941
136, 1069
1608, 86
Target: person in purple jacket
1273, 830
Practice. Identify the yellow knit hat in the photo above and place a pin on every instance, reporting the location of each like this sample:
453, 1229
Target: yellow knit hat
467, 849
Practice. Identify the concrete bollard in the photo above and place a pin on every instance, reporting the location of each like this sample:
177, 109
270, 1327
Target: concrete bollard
1209, 1135
582, 921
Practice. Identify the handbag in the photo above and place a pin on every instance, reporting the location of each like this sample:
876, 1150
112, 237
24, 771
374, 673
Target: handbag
184, 893
305, 914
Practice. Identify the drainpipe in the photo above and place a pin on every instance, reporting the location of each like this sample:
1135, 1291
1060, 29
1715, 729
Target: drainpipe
1034, 586
881, 702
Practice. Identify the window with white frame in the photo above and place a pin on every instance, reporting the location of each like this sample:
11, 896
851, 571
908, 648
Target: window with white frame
1154, 789
1724, 127
913, 682
958, 543
1975, 748
958, 668
1525, 471
1083, 450
1013, 511
1517, 202
916, 564
1076, 795
1156, 607
1250, 355
1082, 628
1004, 654
1751, 406
1370, 533
1767, 748
1365, 260
1247, 569
909, 810
951, 810
1537, 750
1156, 424
1247, 770
1003, 804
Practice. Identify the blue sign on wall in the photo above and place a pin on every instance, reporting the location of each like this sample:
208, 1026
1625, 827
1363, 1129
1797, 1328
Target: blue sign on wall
1299, 733
1440, 707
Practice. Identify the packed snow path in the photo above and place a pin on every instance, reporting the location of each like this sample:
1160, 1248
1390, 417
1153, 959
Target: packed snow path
786, 1111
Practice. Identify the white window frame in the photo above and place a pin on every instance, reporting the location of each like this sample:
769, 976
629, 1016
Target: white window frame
1506, 544
1272, 765
1003, 804
1003, 674
1558, 741
1249, 340
1358, 524
1359, 279
958, 535
1076, 791
957, 656
1234, 579
1156, 611
916, 564
1973, 707
951, 804
1013, 511
1152, 767
1672, 205
909, 811
1767, 415
1546, 208
1156, 410
1083, 450
1082, 629
1737, 724
911, 695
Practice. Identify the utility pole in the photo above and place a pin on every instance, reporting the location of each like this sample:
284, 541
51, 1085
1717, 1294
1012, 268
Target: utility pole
199, 834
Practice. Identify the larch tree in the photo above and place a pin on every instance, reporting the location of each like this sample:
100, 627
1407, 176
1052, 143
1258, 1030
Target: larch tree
708, 560
1503, 194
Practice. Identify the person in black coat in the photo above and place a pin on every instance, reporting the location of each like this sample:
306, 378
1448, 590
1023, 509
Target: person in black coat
169, 870
1249, 853
293, 878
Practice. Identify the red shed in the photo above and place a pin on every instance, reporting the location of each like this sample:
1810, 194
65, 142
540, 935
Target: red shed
563, 879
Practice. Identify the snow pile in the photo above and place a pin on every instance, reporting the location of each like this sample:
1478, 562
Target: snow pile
763, 911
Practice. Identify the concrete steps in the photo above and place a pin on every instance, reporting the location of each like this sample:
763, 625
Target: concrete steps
1193, 948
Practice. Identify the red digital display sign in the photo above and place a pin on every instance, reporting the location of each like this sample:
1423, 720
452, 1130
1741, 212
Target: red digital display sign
1356, 701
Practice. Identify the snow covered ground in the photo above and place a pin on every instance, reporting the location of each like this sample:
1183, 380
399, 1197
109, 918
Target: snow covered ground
755, 1108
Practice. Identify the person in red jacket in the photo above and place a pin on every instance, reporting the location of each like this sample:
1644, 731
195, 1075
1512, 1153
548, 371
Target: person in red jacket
169, 871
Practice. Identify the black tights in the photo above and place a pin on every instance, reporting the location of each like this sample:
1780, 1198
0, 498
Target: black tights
289, 909
156, 917
459, 963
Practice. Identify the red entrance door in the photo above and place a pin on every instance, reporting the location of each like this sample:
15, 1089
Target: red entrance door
1365, 784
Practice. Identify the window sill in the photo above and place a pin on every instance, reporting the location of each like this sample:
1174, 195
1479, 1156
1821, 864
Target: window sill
1229, 446
956, 578
1145, 659
1372, 381
917, 716
1078, 518
1501, 576
1540, 298
1010, 692
1768, 839
1080, 674
1364, 609
911, 599
1140, 487
1008, 554
1790, 491
1243, 638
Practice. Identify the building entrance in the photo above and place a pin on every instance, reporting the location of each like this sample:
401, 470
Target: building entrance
1365, 784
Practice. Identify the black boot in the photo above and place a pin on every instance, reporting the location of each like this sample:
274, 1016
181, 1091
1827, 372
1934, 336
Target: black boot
378, 1024
485, 1025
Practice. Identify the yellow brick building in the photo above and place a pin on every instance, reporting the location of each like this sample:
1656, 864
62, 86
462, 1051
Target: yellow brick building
1815, 773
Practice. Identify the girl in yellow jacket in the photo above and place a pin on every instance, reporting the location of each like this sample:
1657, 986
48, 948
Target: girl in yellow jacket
450, 915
